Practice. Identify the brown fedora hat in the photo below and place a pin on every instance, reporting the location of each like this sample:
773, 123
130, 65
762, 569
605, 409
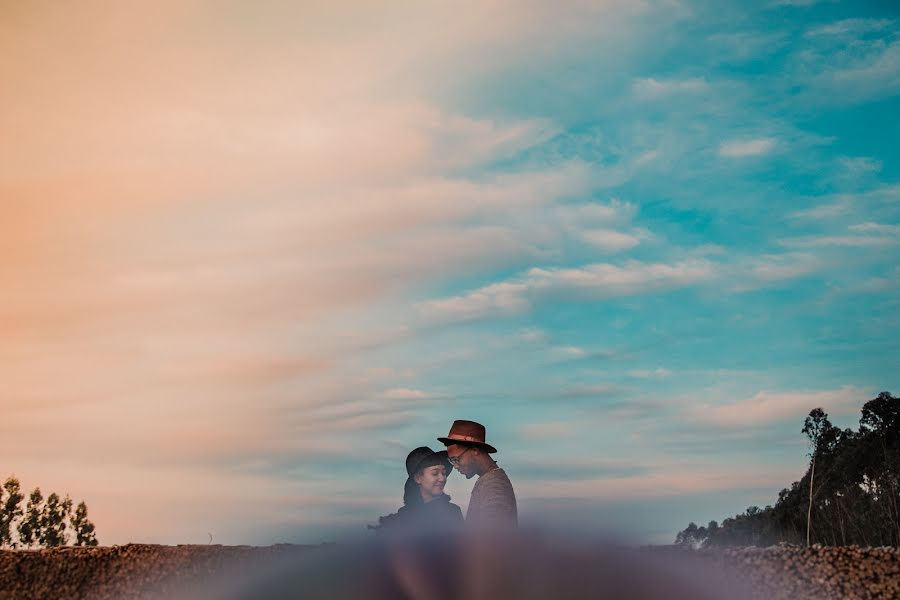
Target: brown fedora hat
467, 433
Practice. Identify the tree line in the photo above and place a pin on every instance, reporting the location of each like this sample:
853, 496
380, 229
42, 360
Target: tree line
42, 523
848, 495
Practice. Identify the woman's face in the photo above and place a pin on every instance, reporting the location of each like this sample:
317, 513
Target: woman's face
431, 481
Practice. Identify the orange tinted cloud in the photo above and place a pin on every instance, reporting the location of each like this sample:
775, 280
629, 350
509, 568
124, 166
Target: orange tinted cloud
207, 209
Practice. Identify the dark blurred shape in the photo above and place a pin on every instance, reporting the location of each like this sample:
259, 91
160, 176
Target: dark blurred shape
478, 568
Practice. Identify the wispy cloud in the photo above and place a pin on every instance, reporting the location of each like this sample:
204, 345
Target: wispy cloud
659, 372
882, 68
495, 299
591, 282
878, 228
862, 235
850, 26
609, 240
246, 240
404, 394
657, 482
754, 272
651, 89
856, 169
839, 73
839, 205
800, 3
743, 148
569, 351
531, 334
767, 407
747, 45
555, 430
596, 390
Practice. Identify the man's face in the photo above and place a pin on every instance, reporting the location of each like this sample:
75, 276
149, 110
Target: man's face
462, 457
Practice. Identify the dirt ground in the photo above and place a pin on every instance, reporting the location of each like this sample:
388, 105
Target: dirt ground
152, 571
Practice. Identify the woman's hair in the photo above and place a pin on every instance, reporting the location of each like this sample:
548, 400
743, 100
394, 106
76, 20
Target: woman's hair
411, 494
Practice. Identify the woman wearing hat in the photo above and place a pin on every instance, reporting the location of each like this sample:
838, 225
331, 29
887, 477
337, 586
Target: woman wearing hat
426, 508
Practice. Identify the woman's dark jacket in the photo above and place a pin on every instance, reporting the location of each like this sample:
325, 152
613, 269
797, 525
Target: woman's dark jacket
438, 515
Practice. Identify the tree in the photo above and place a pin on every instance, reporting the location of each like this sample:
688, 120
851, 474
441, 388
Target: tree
882, 414
43, 523
692, 536
848, 495
53, 521
10, 511
823, 437
30, 528
880, 426
84, 529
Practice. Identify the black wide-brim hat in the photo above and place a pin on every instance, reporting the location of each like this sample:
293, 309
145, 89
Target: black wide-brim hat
425, 457
467, 433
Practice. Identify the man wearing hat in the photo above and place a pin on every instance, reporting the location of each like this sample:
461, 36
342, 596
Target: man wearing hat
493, 501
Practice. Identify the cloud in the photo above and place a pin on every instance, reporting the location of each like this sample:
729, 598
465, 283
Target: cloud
649, 373
531, 334
495, 299
462, 141
768, 407
591, 282
556, 430
747, 45
856, 169
849, 26
837, 205
877, 228
604, 280
599, 390
801, 3
574, 469
609, 240
752, 272
404, 394
652, 89
569, 351
847, 73
848, 241
672, 480
824, 211
882, 67
213, 235
747, 147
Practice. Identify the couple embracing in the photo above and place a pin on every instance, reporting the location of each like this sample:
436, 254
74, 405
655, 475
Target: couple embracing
427, 509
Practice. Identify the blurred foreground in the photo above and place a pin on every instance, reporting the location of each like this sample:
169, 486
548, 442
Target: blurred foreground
520, 566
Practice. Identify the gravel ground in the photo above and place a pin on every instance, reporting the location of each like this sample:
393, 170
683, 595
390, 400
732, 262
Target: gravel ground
817, 572
151, 571
131, 571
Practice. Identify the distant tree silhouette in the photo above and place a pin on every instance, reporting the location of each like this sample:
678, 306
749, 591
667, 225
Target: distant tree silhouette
10, 511
42, 523
30, 527
53, 521
848, 495
692, 536
84, 529
823, 437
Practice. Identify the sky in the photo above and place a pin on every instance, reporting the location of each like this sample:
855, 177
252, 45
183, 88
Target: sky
253, 253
